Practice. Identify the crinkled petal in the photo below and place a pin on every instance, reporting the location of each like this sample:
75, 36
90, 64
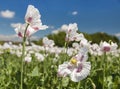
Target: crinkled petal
63, 70
32, 13
33, 18
77, 76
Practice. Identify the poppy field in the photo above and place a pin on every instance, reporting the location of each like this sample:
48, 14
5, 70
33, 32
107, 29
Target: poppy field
83, 66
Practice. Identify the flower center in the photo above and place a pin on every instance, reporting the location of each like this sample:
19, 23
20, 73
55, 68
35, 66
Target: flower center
106, 49
29, 19
73, 61
20, 34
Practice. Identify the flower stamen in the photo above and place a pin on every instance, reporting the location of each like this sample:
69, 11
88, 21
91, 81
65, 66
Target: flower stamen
73, 61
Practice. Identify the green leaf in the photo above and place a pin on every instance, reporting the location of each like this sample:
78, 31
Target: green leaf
110, 83
65, 81
35, 72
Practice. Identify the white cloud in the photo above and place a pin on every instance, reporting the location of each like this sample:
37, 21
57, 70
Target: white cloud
34, 38
62, 28
118, 34
74, 13
14, 38
51, 27
7, 14
14, 25
7, 37
55, 31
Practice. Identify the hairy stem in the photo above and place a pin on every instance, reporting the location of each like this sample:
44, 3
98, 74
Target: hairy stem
23, 55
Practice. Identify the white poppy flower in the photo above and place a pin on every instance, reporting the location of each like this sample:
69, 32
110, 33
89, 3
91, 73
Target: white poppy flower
71, 33
28, 58
74, 36
77, 68
79, 37
32, 17
47, 42
114, 46
71, 51
6, 46
39, 56
72, 28
63, 70
80, 72
21, 29
81, 57
105, 47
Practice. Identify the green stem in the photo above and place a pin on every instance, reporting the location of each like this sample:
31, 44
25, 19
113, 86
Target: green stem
85, 85
93, 85
66, 49
103, 76
65, 46
78, 86
60, 83
104, 71
23, 55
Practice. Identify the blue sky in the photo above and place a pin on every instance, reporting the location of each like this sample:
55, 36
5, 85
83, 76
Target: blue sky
90, 15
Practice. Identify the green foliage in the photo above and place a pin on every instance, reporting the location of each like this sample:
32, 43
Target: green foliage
43, 75
34, 72
59, 38
1, 42
97, 37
